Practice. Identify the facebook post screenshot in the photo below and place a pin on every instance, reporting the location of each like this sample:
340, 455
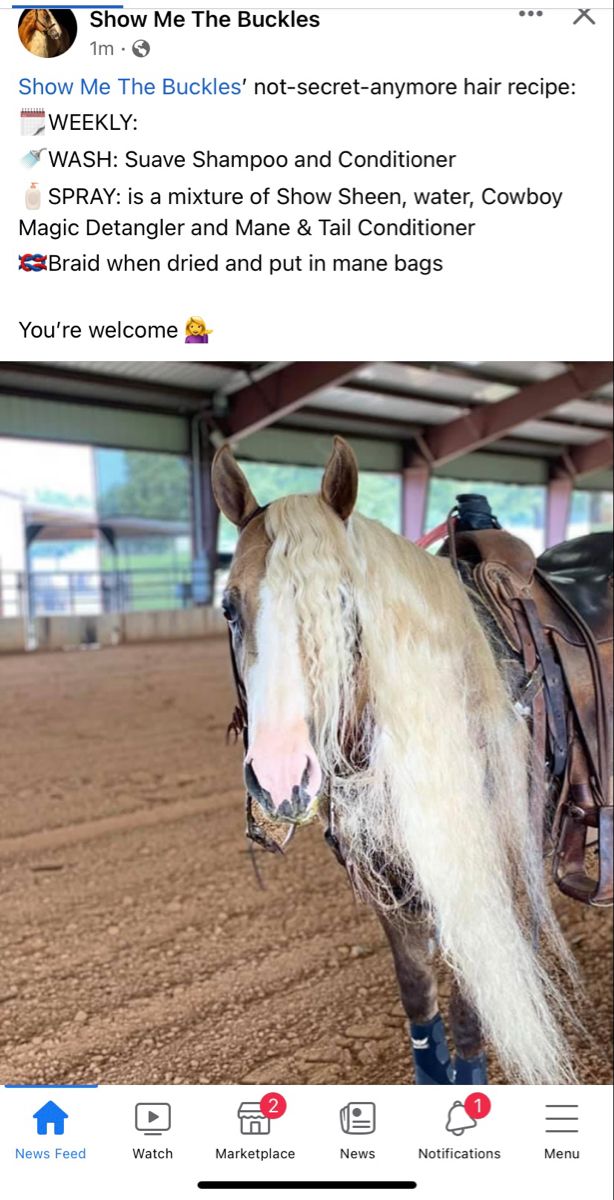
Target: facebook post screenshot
306, 664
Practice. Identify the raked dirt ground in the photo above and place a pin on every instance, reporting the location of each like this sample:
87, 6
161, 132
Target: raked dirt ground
135, 945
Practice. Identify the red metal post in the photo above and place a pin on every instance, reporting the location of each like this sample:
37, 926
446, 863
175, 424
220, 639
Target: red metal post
416, 478
558, 506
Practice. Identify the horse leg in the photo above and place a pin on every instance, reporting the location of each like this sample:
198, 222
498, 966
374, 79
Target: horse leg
409, 941
470, 1060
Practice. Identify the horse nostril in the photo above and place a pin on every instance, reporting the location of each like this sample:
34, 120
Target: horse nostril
251, 780
285, 785
312, 775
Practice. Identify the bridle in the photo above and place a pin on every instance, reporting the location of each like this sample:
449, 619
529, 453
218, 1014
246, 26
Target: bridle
239, 728
48, 26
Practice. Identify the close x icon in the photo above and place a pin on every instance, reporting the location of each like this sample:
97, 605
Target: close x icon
32, 262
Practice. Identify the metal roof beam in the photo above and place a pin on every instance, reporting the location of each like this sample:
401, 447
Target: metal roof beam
492, 421
386, 391
268, 400
395, 426
43, 379
584, 460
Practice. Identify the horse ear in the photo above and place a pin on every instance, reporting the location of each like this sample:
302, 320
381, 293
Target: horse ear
340, 480
232, 492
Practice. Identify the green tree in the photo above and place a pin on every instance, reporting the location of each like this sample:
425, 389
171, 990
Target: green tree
379, 495
60, 499
155, 486
516, 505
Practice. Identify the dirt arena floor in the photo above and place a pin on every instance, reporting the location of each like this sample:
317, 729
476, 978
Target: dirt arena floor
135, 945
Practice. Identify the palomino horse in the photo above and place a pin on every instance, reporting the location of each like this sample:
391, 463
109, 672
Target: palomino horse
41, 33
371, 693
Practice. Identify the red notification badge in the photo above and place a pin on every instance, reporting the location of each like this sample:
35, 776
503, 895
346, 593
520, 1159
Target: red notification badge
273, 1105
477, 1105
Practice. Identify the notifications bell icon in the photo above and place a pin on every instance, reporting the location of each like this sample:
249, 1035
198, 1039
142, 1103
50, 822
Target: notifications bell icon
459, 1119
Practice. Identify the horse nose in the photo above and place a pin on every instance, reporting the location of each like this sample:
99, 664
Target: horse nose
278, 794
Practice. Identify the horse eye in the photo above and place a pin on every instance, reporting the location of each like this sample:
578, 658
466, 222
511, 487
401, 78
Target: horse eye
230, 610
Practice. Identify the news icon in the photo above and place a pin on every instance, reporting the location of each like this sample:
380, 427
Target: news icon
358, 1117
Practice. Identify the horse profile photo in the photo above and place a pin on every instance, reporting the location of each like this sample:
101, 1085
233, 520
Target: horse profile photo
47, 32
447, 717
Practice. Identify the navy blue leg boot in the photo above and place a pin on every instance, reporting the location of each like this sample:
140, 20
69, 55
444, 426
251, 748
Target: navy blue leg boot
470, 1070
431, 1054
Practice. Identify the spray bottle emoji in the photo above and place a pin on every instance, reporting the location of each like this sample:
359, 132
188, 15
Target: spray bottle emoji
33, 196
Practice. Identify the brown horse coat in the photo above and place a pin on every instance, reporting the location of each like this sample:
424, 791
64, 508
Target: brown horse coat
41, 33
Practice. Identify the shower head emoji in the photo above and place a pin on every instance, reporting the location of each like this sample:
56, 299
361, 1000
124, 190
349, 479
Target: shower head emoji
32, 157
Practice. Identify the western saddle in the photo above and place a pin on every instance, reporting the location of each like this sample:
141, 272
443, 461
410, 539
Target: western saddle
555, 612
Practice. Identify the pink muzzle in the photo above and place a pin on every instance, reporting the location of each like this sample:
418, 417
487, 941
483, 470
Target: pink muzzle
282, 772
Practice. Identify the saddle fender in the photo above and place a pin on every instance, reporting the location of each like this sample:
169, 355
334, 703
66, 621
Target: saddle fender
556, 613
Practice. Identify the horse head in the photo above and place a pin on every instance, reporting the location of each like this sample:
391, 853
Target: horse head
282, 769
46, 23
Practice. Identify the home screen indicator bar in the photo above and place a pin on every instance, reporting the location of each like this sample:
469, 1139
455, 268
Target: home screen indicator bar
280, 1185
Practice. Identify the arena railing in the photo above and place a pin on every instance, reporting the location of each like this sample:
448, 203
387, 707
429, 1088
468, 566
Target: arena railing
49, 592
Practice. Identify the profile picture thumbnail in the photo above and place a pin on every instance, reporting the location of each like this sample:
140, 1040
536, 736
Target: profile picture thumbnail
47, 32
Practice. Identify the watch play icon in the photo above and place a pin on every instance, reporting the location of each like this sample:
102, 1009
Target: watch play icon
152, 1118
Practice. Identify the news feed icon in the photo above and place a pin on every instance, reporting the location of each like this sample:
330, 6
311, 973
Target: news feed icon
358, 1117
50, 1118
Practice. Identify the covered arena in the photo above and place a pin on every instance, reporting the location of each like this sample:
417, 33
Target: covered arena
139, 942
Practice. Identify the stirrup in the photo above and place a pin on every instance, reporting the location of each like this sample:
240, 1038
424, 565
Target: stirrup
568, 865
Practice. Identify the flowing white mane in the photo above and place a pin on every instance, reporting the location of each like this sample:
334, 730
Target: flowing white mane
397, 665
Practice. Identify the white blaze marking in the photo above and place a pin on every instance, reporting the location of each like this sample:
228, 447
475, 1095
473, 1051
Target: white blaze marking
276, 687
279, 747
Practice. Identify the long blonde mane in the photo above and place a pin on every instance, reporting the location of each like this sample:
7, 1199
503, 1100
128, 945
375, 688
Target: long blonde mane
401, 675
